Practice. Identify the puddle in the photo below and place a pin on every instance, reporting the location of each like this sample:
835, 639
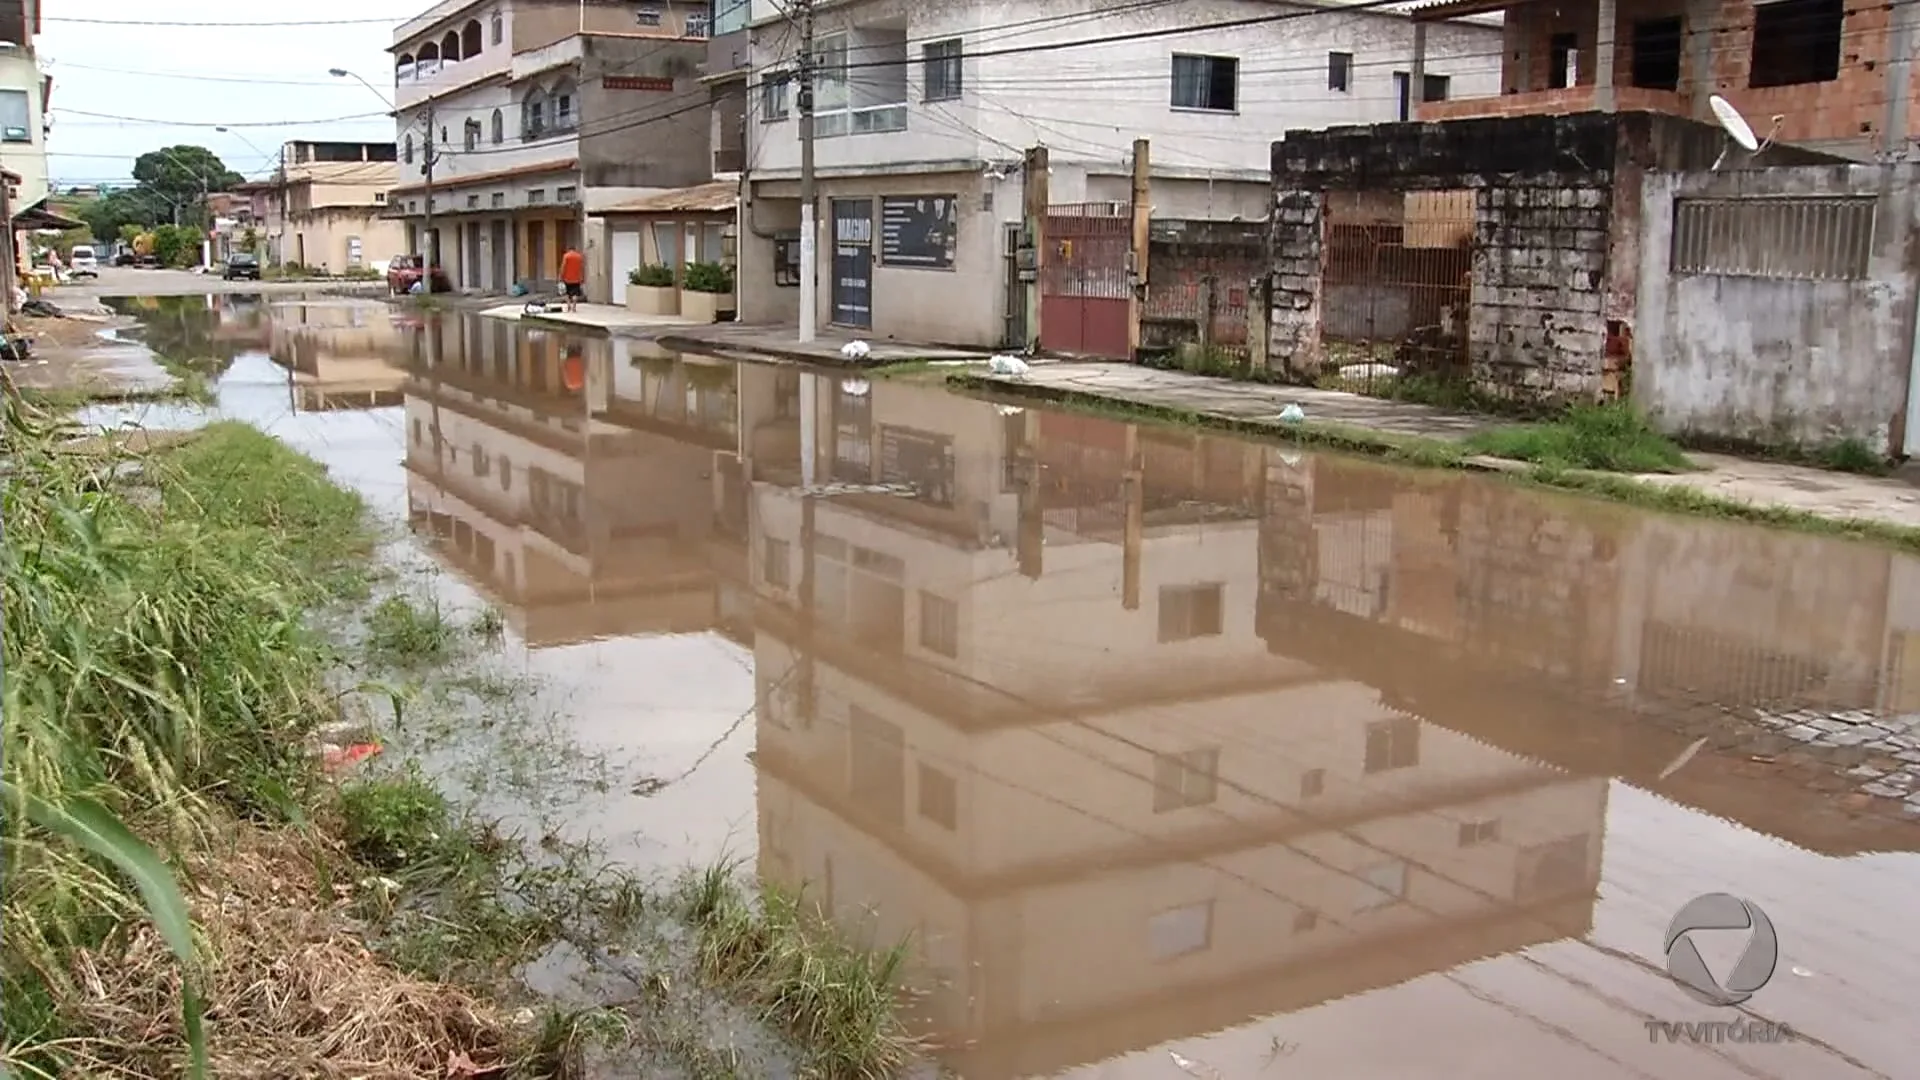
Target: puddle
1175, 755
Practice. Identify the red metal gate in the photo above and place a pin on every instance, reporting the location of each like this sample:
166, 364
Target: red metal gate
1084, 297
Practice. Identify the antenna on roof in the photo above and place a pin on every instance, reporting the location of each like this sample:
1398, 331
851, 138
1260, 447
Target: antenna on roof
1735, 125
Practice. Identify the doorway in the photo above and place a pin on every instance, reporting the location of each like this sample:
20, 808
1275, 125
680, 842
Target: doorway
536, 252
852, 263
470, 258
502, 250
626, 259
1015, 335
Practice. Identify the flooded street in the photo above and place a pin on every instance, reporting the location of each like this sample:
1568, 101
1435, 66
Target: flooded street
1174, 755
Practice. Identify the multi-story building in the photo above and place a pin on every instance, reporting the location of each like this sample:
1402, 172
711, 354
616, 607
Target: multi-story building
923, 115
23, 102
515, 118
1825, 74
325, 206
24, 89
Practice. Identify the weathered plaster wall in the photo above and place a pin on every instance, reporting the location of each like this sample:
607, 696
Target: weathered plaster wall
1779, 359
1557, 239
1536, 322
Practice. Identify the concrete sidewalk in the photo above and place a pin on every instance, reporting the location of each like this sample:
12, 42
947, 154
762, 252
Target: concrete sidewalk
783, 342
592, 318
1836, 496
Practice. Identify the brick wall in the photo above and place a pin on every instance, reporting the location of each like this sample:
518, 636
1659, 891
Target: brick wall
1846, 114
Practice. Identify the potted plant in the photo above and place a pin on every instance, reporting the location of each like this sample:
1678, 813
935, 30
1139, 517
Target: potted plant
650, 290
705, 292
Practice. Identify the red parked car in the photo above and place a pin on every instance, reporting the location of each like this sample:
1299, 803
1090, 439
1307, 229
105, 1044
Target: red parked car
405, 271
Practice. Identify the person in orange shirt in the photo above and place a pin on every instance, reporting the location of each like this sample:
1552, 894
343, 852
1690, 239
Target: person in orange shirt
573, 277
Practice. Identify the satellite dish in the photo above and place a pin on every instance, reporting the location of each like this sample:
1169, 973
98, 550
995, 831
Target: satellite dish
1736, 125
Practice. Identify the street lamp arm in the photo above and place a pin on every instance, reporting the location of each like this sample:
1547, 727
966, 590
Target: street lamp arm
343, 73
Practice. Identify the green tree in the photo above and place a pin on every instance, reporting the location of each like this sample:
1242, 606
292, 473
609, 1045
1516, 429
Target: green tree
176, 245
114, 213
181, 177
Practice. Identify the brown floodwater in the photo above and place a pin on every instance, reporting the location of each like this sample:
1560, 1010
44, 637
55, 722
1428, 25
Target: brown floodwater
1174, 755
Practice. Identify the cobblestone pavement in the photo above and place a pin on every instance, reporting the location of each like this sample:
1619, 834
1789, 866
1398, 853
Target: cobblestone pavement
1880, 754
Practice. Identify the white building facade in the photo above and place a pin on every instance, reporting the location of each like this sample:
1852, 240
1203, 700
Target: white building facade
535, 112
924, 113
23, 104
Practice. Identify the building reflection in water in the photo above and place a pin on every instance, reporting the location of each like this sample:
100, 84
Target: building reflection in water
341, 353
1140, 736
1025, 717
591, 487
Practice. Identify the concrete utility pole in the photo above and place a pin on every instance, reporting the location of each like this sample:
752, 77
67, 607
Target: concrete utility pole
1032, 257
431, 250
809, 223
1142, 239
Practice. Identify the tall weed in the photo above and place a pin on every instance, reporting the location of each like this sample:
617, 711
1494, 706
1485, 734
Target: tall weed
156, 663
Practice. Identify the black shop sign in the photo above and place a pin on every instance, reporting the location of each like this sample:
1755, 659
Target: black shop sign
919, 231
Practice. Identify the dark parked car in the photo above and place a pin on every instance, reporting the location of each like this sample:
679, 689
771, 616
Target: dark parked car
242, 265
125, 258
404, 272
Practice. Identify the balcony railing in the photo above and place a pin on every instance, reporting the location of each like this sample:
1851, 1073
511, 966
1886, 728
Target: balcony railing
867, 120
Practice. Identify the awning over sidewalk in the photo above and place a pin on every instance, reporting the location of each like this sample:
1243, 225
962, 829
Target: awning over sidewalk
716, 197
38, 216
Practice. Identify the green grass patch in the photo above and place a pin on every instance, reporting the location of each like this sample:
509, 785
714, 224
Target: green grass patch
767, 947
905, 369
192, 379
407, 634
1681, 499
1607, 438
160, 675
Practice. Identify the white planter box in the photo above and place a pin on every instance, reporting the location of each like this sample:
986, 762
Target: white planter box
653, 299
702, 307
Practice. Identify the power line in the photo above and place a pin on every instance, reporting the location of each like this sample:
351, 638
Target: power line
79, 21
219, 123
67, 65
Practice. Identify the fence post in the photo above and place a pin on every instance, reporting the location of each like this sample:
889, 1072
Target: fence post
1259, 310
1207, 304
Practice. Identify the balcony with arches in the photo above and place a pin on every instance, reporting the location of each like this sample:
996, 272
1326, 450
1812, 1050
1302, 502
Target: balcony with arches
450, 56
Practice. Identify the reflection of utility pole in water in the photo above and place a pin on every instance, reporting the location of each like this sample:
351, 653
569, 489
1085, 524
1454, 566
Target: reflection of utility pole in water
1133, 488
809, 450
1028, 543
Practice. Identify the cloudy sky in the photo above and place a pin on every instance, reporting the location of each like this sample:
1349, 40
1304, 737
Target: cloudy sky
114, 71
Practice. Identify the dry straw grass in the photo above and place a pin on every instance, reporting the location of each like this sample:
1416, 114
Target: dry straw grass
290, 988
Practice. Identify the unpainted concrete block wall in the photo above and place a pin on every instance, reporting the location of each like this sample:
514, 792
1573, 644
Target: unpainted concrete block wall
1543, 193
1537, 327
1293, 326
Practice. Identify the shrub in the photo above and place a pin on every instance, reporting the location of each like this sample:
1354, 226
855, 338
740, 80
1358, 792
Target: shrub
708, 277
653, 275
